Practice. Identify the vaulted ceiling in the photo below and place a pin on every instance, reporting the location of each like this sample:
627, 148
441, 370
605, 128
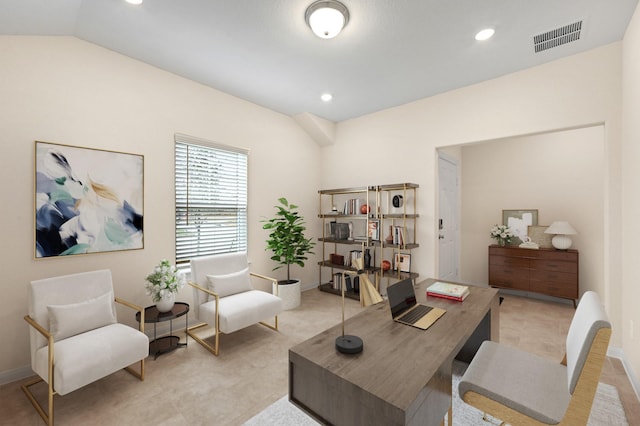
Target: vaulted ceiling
391, 52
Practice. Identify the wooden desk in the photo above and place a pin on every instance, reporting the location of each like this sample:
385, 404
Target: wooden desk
403, 376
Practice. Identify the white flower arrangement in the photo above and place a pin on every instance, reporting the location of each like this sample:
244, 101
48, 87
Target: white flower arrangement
501, 233
164, 279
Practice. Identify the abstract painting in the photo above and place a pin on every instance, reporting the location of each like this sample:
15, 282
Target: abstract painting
519, 221
87, 200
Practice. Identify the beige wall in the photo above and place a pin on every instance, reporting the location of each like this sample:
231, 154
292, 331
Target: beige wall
399, 144
631, 193
64, 90
562, 174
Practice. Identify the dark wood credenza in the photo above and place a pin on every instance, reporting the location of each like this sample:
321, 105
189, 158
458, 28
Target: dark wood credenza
546, 271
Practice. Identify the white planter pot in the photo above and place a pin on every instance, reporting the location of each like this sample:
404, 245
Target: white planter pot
290, 295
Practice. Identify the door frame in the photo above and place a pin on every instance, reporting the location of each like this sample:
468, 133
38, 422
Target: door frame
443, 156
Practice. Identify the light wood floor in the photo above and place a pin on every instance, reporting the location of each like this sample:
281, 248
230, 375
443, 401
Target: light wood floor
191, 386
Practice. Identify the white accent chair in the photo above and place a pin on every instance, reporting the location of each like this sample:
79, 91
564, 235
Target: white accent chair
75, 336
224, 298
521, 388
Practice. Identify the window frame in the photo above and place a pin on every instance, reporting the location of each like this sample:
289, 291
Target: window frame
190, 199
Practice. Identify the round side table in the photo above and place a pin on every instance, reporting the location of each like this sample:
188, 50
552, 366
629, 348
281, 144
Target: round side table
161, 345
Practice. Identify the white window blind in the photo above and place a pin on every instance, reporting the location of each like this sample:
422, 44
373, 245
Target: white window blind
211, 198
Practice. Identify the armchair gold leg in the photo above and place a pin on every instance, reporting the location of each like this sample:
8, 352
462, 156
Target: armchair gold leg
213, 349
134, 373
47, 417
216, 348
273, 327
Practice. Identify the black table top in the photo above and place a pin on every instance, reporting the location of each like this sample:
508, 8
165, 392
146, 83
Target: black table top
151, 313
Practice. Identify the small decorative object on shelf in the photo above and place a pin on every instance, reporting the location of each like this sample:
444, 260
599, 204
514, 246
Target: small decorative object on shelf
502, 234
389, 239
386, 265
163, 284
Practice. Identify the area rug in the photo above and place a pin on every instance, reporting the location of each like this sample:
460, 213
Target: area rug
607, 409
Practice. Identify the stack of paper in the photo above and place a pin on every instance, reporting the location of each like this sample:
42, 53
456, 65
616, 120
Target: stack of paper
448, 291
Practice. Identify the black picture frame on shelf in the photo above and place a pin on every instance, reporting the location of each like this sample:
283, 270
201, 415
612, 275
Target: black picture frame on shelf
339, 231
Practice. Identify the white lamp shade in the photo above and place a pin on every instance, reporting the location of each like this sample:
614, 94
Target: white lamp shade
327, 18
561, 228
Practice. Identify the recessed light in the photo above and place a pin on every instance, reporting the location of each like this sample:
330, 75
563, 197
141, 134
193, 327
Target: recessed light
136, 2
326, 97
485, 34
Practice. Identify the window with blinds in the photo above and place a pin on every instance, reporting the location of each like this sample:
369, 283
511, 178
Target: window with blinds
211, 198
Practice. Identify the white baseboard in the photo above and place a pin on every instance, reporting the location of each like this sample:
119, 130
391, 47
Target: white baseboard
15, 374
308, 286
631, 375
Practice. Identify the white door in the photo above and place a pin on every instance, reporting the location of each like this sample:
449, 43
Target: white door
448, 221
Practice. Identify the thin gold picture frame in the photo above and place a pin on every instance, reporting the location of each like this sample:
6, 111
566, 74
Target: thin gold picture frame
86, 200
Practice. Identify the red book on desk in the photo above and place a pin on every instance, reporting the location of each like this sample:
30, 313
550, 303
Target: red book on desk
448, 291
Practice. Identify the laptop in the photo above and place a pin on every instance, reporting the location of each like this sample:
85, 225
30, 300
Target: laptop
406, 310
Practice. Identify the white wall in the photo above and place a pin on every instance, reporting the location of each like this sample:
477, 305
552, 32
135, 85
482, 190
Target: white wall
631, 194
64, 90
399, 144
562, 174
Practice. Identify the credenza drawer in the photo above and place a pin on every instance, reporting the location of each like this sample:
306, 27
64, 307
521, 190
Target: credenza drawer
509, 278
505, 261
558, 289
552, 276
554, 266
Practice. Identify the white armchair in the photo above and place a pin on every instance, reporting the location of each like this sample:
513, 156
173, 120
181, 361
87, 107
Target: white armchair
224, 298
75, 336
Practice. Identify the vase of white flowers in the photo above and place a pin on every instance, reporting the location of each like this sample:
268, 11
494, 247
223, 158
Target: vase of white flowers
502, 234
163, 284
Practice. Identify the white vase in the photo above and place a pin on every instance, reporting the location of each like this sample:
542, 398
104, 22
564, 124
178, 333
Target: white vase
165, 304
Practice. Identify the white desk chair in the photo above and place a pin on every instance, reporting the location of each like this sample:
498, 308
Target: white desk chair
521, 388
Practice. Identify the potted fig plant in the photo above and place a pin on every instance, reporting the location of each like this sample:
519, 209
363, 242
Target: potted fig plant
289, 246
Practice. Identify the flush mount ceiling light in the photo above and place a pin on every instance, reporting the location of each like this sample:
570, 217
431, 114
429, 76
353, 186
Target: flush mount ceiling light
136, 2
327, 18
326, 97
485, 34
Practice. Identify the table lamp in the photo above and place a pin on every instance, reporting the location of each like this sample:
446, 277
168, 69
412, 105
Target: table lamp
348, 344
562, 230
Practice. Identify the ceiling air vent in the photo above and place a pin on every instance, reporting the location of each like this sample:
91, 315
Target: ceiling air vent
557, 37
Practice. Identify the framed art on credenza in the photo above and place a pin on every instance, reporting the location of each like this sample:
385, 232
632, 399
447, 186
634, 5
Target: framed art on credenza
519, 221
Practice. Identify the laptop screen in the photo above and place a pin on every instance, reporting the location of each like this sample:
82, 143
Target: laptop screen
401, 296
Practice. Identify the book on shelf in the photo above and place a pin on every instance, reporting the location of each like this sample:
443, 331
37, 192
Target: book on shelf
353, 206
373, 230
353, 255
337, 281
450, 291
398, 235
